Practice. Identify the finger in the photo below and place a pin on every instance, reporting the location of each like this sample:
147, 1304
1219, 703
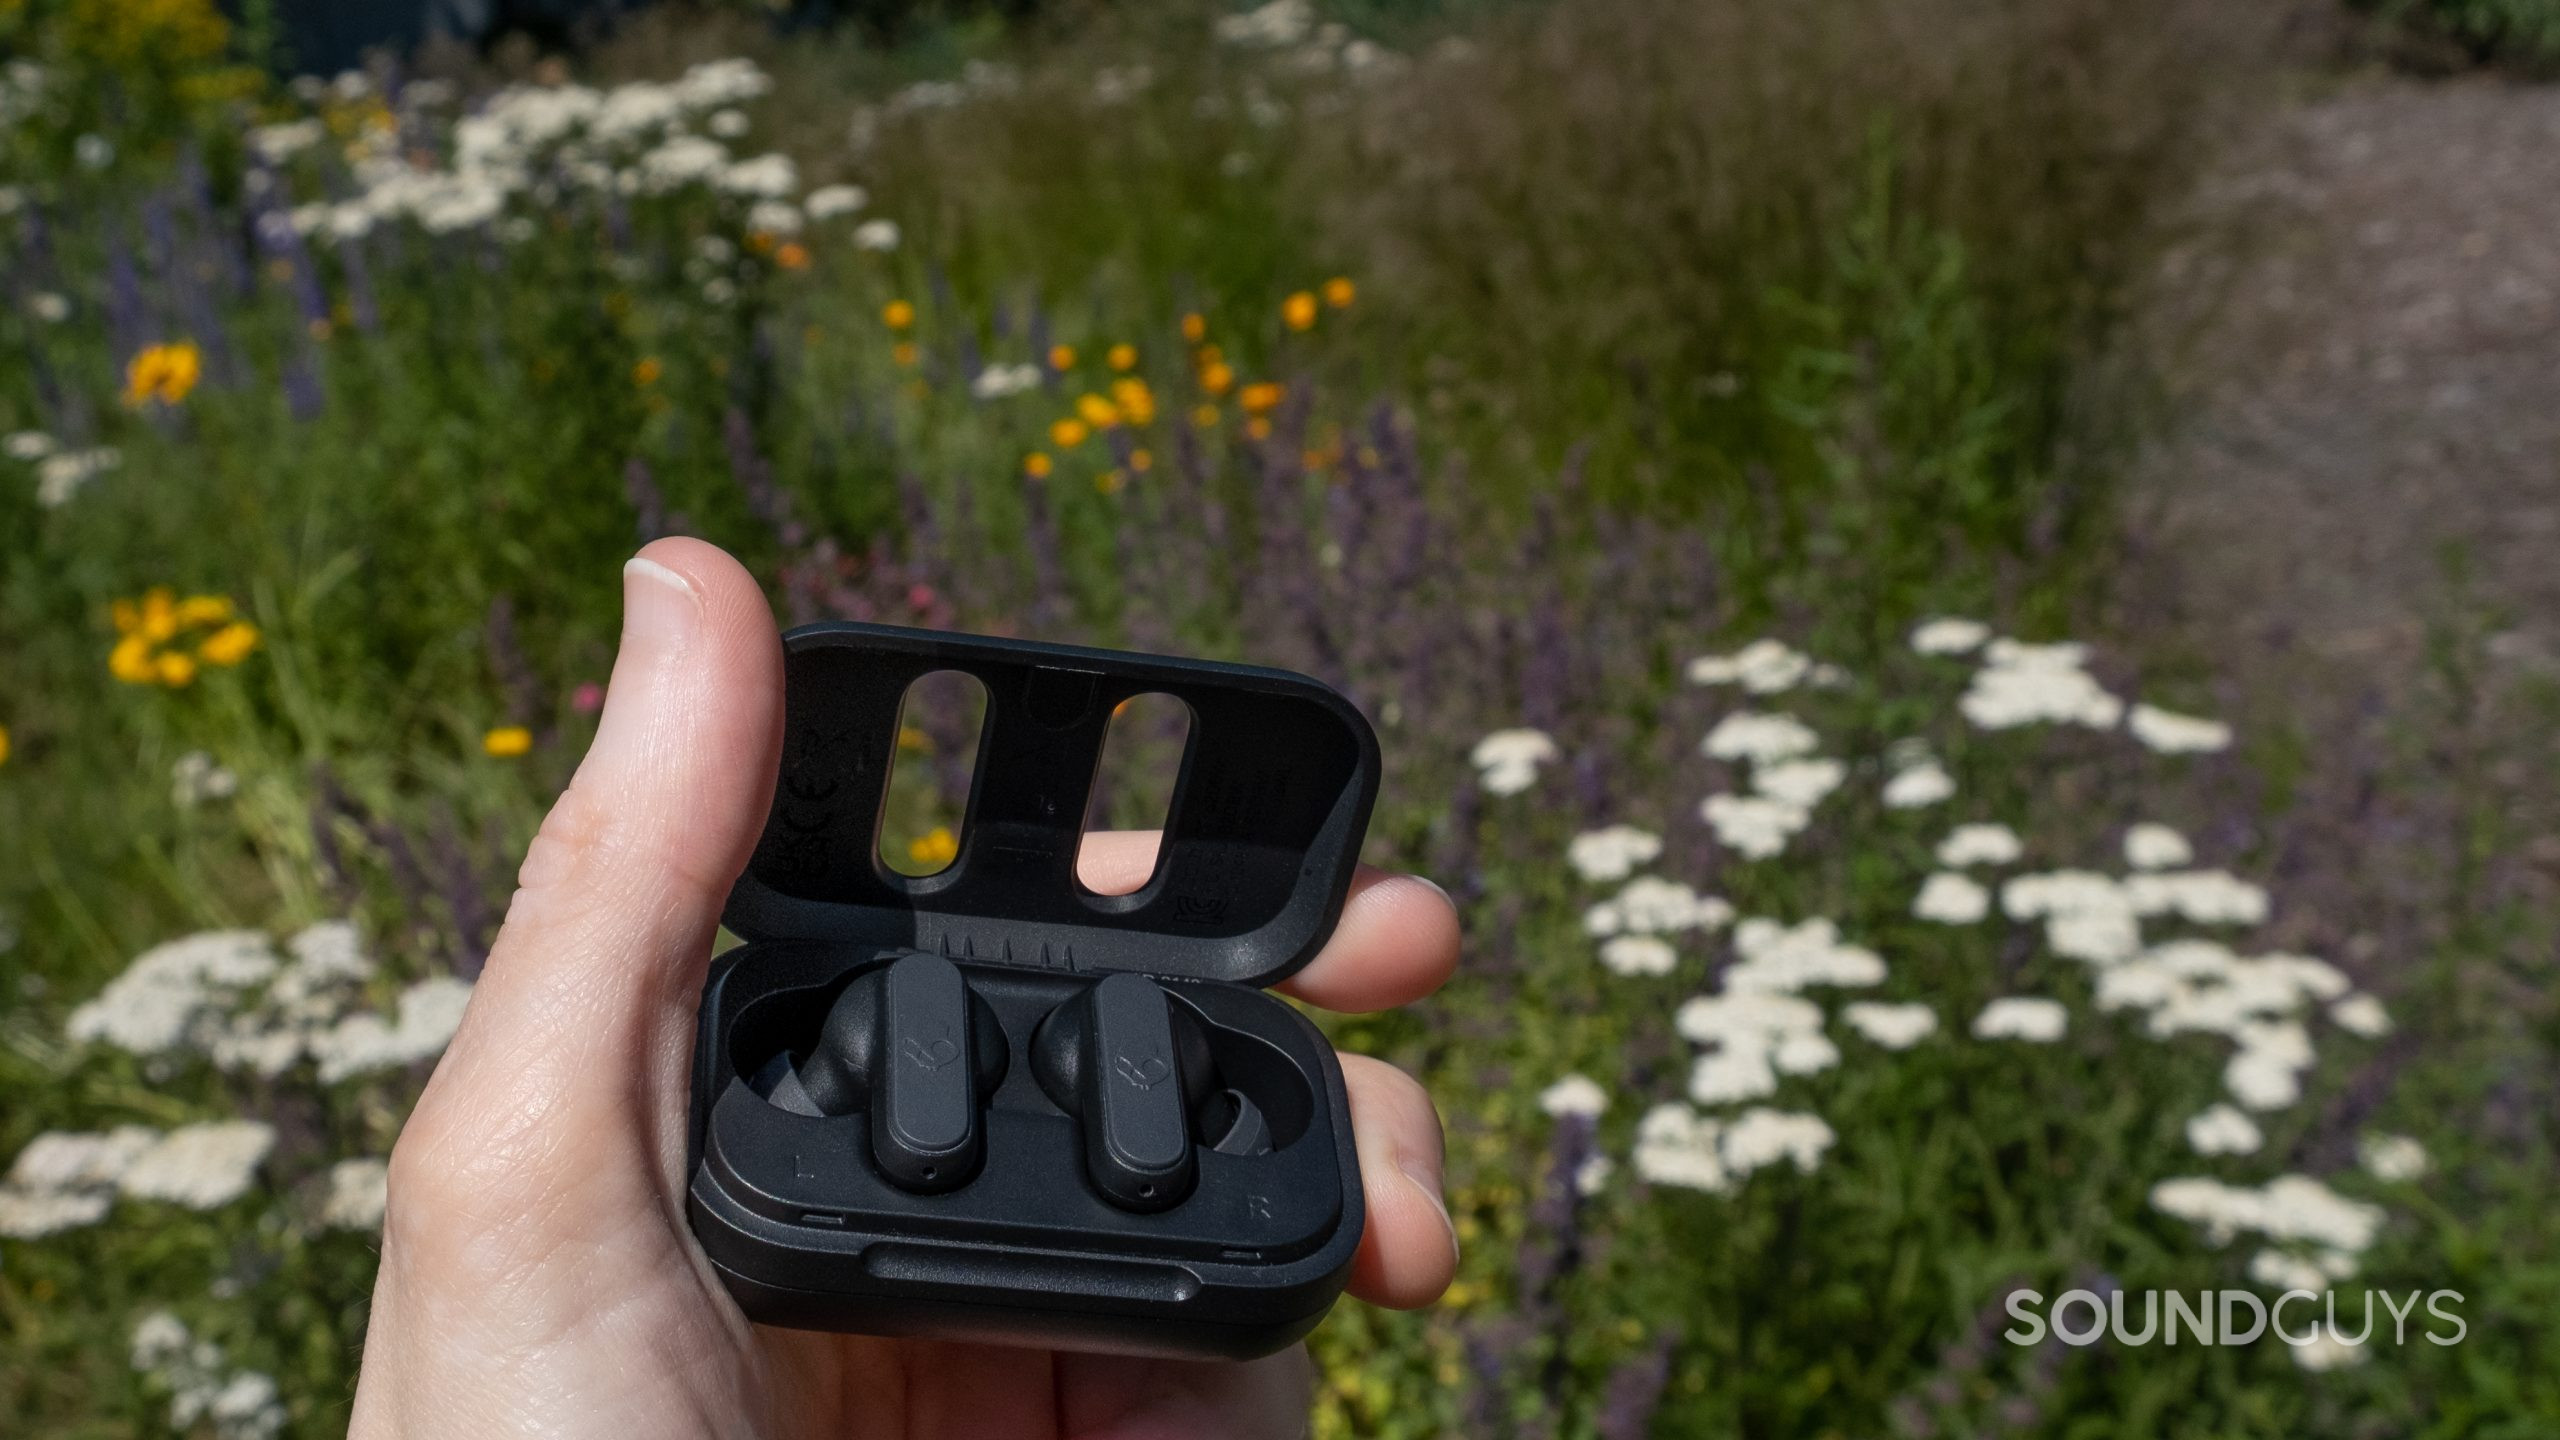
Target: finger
1409, 1252
1397, 940
584, 1014
1117, 1397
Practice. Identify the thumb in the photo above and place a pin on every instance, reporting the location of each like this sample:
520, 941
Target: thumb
575, 1047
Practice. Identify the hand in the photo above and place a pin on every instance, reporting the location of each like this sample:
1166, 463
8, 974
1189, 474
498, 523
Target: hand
538, 1276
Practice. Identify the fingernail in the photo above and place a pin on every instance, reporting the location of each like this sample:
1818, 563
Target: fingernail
659, 606
1425, 1177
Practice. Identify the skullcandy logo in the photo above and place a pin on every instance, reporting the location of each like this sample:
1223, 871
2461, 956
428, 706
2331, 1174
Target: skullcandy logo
931, 1054
1146, 1074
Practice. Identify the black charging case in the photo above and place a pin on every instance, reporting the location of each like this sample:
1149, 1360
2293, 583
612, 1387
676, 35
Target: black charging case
1263, 833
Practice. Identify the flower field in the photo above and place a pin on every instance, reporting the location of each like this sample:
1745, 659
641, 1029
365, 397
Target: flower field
1685, 429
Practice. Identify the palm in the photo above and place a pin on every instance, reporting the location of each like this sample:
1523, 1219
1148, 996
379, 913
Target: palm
538, 1276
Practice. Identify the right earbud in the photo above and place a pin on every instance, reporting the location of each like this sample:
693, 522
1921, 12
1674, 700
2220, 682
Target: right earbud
1136, 1067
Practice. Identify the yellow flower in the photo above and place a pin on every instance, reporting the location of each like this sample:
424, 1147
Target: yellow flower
173, 669
1339, 292
646, 373
911, 738
897, 314
1262, 397
1097, 412
130, 661
792, 256
1062, 357
936, 846
4, 744
1195, 326
904, 352
229, 645
1135, 400
1037, 465
1299, 311
203, 610
1217, 377
1122, 357
1068, 433
163, 372
507, 741
1142, 461
1110, 482
1258, 428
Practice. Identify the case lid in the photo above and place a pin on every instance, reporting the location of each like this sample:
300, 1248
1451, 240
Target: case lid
1260, 842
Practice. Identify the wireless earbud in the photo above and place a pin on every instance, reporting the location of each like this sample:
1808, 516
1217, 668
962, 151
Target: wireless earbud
910, 1044
1135, 1066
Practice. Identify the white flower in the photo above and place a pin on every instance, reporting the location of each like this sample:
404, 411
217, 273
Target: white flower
2326, 1350
2280, 1271
1507, 761
1593, 1176
2022, 1017
430, 1011
1780, 959
356, 1192
276, 144
79, 1160
828, 202
159, 1338
2290, 1208
1276, 25
1763, 667
1951, 899
1651, 905
729, 81
1613, 852
2170, 733
29, 1214
2205, 897
200, 1166
769, 177
1762, 1137
1800, 783
1759, 737
727, 124
1732, 1074
2223, 1130
1807, 1054
1923, 784
28, 445
60, 475
876, 235
1637, 955
774, 217
1000, 382
2148, 846
1893, 1026
1979, 844
1574, 1095
2024, 684
2100, 937
1746, 1019
1948, 636
49, 307
2392, 1158
1753, 826
2361, 1015
158, 1001
1676, 1145
195, 778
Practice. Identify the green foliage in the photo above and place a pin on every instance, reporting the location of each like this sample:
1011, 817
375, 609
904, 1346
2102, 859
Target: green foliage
2521, 33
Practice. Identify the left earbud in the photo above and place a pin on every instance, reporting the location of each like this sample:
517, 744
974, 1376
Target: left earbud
909, 1043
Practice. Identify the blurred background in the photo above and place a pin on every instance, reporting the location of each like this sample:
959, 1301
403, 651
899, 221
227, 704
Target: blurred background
1959, 591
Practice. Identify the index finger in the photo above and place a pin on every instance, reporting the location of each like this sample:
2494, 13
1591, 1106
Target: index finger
1397, 940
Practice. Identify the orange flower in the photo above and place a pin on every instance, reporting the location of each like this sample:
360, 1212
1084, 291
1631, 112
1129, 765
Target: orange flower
174, 670
1217, 377
1122, 357
1195, 327
1339, 292
646, 373
1062, 357
792, 256
1037, 465
1262, 396
1097, 412
1141, 461
164, 373
936, 846
898, 314
1258, 428
1068, 433
1135, 400
904, 352
1298, 312
229, 645
507, 741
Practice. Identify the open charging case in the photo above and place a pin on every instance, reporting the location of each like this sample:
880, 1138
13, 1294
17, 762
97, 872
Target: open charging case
1264, 829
